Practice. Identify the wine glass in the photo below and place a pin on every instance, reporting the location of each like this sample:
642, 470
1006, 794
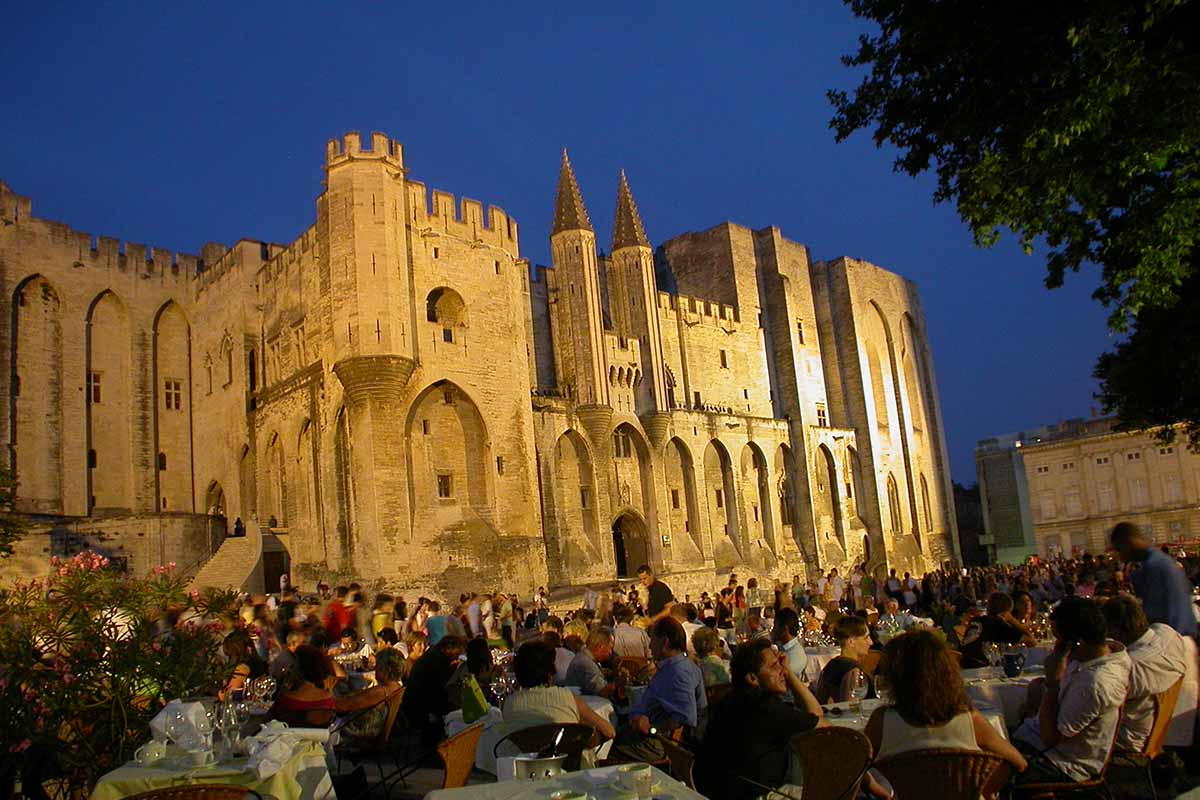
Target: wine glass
991, 651
858, 691
176, 727
231, 724
883, 690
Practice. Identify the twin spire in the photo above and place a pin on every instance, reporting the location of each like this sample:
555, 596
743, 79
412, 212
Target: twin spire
570, 214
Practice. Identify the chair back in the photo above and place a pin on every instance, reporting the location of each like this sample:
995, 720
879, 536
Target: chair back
209, 791
576, 738
458, 754
1164, 710
309, 718
682, 761
716, 692
834, 760
870, 662
631, 664
943, 772
957, 656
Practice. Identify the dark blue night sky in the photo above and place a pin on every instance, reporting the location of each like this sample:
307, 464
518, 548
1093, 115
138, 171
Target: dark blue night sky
174, 124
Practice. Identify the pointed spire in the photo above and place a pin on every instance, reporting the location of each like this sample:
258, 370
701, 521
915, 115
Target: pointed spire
627, 229
569, 213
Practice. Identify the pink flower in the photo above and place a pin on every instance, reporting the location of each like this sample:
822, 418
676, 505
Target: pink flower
170, 565
156, 647
68, 678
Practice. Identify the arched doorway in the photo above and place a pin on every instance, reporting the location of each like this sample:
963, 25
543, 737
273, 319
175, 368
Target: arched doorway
629, 544
214, 500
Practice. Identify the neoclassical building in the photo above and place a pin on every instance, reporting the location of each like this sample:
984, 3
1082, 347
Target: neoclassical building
397, 394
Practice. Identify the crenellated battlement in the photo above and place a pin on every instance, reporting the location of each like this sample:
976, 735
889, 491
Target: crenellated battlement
88, 250
464, 219
350, 148
694, 310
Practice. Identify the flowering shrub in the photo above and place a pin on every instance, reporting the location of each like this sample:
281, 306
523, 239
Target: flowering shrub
88, 656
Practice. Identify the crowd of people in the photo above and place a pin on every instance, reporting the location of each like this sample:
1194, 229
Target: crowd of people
727, 672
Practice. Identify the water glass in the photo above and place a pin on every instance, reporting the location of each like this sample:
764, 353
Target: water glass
858, 692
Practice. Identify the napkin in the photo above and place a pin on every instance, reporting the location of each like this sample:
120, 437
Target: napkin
272, 747
192, 713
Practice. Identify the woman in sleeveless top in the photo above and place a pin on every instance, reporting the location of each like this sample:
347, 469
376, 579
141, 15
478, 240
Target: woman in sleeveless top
931, 708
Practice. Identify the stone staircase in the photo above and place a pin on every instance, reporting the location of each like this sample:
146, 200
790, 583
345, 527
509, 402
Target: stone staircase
237, 564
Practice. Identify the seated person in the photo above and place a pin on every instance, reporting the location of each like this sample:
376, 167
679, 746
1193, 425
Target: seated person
893, 619
629, 641
478, 664
998, 626
239, 649
1158, 657
386, 639
426, 699
838, 676
585, 672
930, 708
707, 644
675, 696
786, 636
749, 728
349, 651
1086, 683
307, 700
537, 702
368, 708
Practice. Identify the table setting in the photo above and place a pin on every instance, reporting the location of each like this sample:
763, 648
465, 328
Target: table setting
203, 740
621, 782
1005, 684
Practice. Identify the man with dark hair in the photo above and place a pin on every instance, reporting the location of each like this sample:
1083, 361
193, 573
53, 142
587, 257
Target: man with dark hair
786, 635
426, 700
1158, 656
658, 594
1086, 683
997, 626
1159, 582
749, 729
676, 693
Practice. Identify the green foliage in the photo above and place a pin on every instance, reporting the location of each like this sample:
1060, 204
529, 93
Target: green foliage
1074, 123
11, 526
1153, 376
87, 661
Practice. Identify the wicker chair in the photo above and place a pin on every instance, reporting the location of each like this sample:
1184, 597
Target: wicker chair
834, 760
682, 760
458, 755
1164, 710
945, 773
576, 738
199, 791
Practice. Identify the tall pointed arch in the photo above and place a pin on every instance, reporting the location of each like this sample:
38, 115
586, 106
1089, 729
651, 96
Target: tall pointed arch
36, 396
109, 405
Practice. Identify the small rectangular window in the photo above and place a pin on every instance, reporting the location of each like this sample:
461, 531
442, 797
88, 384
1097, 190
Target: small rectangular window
724, 360
1043, 470
822, 416
448, 335
1166, 451
720, 498
435, 252
172, 395
94, 387
91, 459
1102, 460
583, 497
696, 395
1068, 466
444, 487
674, 498
162, 462
448, 396
756, 513
745, 394
497, 267
800, 330
425, 427
499, 465
1133, 456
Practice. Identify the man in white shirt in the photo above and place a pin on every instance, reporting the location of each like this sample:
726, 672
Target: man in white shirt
474, 616
1159, 659
821, 582
838, 587
1086, 683
786, 635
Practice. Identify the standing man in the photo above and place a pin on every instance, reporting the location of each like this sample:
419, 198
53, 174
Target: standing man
1160, 584
658, 594
506, 618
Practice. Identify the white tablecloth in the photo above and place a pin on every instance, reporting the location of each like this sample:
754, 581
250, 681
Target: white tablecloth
304, 777
484, 759
1036, 656
818, 657
1006, 694
599, 783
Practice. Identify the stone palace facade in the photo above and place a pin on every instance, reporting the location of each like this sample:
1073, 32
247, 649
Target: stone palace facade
397, 394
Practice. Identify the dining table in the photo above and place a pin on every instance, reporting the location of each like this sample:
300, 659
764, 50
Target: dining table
600, 783
840, 715
992, 688
304, 776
